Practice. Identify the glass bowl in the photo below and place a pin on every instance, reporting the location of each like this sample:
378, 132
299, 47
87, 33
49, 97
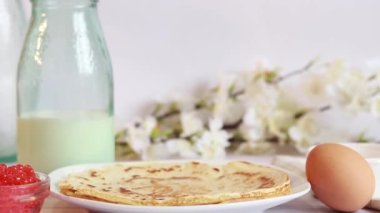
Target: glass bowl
27, 198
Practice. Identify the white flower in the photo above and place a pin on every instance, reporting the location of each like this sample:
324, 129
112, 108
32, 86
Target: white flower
191, 124
253, 127
212, 143
301, 133
229, 110
278, 122
149, 124
261, 95
215, 124
181, 147
348, 86
260, 106
156, 151
251, 118
269, 116
138, 134
251, 133
222, 95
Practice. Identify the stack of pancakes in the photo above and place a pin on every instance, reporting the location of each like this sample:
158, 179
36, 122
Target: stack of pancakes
177, 184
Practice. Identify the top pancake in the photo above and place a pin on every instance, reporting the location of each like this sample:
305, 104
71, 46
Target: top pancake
175, 184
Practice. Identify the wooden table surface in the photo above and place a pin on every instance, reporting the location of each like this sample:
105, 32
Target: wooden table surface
305, 204
53, 205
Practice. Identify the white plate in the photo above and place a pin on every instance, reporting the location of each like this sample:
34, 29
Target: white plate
299, 187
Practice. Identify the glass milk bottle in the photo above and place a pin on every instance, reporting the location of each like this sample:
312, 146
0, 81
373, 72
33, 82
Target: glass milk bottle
65, 88
12, 30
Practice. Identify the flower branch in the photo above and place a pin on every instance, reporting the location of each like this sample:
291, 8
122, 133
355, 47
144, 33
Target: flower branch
248, 113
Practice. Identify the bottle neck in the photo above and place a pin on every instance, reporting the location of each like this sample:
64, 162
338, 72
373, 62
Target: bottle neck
63, 4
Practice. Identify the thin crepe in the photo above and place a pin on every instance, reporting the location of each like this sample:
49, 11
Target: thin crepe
177, 184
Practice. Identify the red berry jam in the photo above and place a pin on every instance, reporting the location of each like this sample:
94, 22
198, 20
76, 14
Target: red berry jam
22, 189
17, 175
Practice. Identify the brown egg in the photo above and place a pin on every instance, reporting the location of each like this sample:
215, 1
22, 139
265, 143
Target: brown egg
340, 177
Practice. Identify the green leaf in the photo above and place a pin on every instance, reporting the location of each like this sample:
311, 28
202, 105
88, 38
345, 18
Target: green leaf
120, 136
200, 104
237, 137
231, 89
270, 76
155, 134
362, 138
158, 133
300, 114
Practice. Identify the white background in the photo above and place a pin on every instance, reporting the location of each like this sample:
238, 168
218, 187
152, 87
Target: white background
160, 47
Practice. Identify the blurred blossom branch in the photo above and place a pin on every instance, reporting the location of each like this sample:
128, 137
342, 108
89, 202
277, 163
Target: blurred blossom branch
247, 112
306, 68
